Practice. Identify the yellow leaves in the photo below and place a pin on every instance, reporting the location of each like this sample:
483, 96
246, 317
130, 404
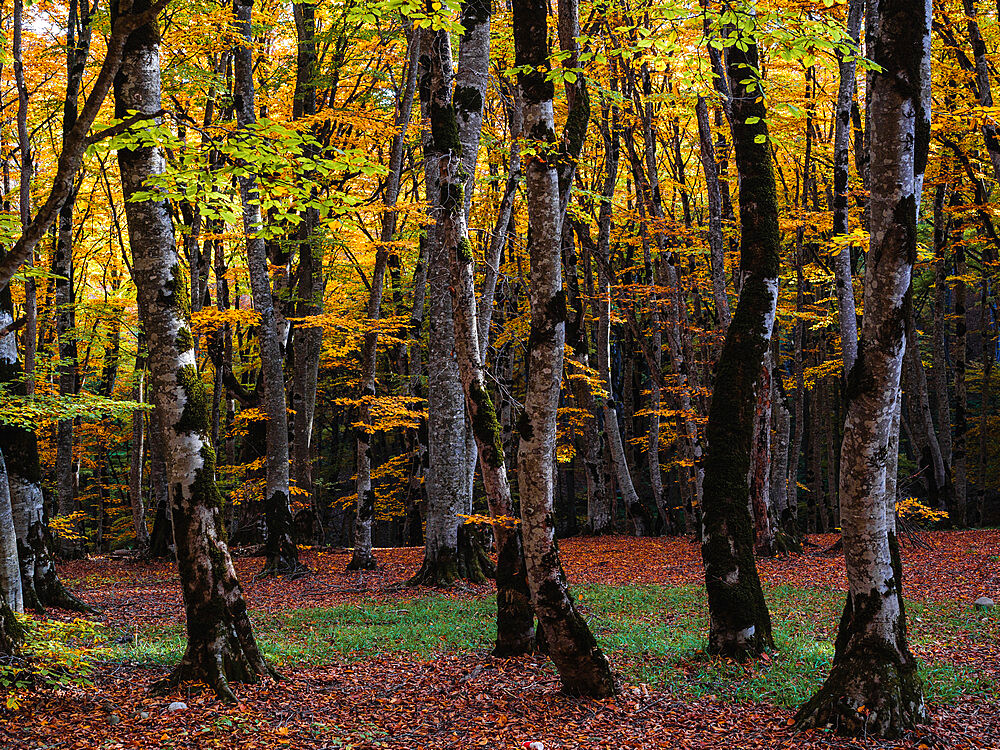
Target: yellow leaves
66, 526
209, 320
479, 519
391, 413
912, 510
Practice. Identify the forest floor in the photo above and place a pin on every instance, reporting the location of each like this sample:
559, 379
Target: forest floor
371, 663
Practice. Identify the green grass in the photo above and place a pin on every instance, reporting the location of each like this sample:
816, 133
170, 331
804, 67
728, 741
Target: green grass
654, 634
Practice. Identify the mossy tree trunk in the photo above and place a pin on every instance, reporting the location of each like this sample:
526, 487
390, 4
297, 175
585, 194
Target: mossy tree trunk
582, 665
873, 688
11, 632
40, 584
282, 556
740, 624
221, 646
515, 618
447, 558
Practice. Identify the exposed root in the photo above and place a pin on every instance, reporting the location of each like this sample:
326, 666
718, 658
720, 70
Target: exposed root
361, 560
283, 568
868, 694
218, 668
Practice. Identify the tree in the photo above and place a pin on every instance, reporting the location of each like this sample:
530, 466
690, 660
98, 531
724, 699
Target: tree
740, 624
221, 646
282, 554
873, 688
582, 666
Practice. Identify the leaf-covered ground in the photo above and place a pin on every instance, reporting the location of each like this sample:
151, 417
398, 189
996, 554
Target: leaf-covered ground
371, 663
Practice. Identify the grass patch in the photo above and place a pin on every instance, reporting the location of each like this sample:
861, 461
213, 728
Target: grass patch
655, 634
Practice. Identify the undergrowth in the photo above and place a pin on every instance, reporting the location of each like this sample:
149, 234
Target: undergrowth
655, 635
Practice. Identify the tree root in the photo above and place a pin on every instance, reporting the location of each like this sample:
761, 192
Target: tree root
362, 560
217, 668
283, 568
867, 695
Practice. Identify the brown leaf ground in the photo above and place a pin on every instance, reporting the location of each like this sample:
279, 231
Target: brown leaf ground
469, 700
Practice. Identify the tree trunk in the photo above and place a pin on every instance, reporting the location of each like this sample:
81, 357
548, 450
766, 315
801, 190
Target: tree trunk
282, 556
221, 645
942, 398
740, 624
11, 594
873, 688
307, 340
989, 358
612, 430
717, 250
841, 178
515, 619
937, 477
40, 584
448, 491
582, 665
759, 480
77, 49
24, 196
137, 452
957, 512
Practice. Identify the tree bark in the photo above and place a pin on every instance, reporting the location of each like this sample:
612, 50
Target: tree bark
515, 619
221, 645
740, 624
873, 688
448, 492
847, 64
11, 594
582, 666
77, 49
717, 250
282, 556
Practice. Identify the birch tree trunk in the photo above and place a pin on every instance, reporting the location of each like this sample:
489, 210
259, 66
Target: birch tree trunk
873, 688
582, 666
515, 618
740, 624
221, 646
448, 493
841, 181
282, 556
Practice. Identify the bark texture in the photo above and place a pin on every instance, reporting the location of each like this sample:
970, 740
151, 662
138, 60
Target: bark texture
873, 688
582, 666
740, 624
221, 646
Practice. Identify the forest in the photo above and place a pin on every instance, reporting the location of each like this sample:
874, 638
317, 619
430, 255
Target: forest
542, 374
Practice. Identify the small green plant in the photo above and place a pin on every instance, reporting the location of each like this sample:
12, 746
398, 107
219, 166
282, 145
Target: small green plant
55, 654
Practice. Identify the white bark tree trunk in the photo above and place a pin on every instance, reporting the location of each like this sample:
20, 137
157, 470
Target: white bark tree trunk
873, 688
582, 665
221, 645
